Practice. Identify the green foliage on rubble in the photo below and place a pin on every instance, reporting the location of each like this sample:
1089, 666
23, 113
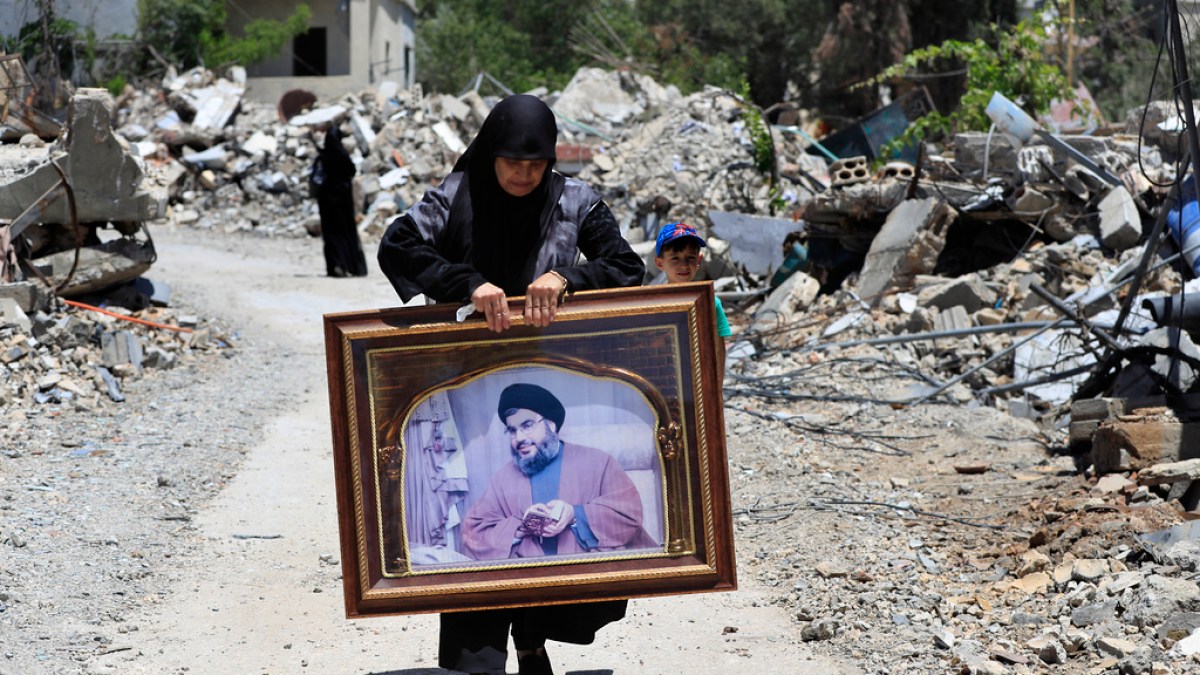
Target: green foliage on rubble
1013, 62
62, 38
189, 33
760, 135
116, 85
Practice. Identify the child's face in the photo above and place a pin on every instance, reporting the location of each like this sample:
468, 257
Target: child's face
680, 264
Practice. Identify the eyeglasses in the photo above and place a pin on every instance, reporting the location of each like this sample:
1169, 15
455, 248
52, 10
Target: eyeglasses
523, 427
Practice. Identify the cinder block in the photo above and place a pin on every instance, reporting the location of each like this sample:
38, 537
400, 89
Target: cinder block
849, 171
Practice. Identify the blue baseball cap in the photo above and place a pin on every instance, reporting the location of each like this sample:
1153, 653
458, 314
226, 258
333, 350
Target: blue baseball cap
674, 231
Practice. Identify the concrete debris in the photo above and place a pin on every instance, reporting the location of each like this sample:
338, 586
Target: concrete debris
964, 246
74, 355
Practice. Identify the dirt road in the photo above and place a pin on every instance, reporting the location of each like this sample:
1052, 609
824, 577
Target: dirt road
262, 591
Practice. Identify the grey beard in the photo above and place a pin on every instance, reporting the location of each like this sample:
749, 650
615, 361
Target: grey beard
546, 452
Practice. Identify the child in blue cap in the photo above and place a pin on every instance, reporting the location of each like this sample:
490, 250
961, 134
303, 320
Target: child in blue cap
677, 253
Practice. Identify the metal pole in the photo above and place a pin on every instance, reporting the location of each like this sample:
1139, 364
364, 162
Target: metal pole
1183, 85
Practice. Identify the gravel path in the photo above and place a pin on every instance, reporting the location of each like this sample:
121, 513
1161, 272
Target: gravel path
192, 528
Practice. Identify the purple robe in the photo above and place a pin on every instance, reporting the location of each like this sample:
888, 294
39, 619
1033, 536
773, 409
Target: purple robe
589, 478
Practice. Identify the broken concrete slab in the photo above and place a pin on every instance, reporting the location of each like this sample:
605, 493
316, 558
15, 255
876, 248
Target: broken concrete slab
1120, 222
756, 242
908, 244
968, 292
100, 267
11, 315
1053, 351
1137, 442
1170, 472
120, 348
216, 104
319, 117
105, 176
449, 137
30, 296
783, 305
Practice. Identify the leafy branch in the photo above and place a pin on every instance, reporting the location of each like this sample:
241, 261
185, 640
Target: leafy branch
1014, 64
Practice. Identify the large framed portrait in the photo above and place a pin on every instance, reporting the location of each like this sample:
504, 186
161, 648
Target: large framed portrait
581, 461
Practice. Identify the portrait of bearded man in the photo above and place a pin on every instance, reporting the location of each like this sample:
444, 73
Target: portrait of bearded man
555, 498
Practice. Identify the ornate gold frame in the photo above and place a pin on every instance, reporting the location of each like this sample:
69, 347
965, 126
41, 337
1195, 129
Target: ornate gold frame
382, 363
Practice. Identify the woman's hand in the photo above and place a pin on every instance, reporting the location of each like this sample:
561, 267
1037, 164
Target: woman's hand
490, 300
542, 297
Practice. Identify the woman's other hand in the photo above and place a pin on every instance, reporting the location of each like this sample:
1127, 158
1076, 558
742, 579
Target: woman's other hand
490, 300
541, 299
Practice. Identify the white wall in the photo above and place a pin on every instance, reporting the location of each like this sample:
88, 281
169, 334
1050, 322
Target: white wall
372, 25
392, 32
106, 17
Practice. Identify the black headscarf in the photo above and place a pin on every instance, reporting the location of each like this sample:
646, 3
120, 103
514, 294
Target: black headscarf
339, 168
506, 231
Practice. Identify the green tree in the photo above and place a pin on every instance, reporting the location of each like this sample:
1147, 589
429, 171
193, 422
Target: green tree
1114, 52
1013, 62
766, 42
457, 40
192, 32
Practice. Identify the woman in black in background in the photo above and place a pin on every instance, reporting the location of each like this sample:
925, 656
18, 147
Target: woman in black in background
335, 200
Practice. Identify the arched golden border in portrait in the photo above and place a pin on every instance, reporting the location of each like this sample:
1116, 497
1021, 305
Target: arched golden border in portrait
581, 461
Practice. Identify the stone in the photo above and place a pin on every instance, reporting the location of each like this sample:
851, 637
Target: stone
1038, 582
1159, 598
756, 242
908, 244
13, 316
1120, 222
1136, 443
104, 174
102, 266
1171, 340
1112, 483
1170, 472
968, 292
1049, 649
30, 296
822, 629
121, 347
1185, 554
1116, 647
1178, 626
1188, 645
1028, 201
319, 117
785, 303
1091, 614
1032, 561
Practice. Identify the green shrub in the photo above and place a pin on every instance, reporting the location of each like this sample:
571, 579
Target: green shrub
1014, 64
116, 85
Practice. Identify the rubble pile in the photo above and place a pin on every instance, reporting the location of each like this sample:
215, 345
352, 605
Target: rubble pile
698, 156
250, 175
80, 355
638, 140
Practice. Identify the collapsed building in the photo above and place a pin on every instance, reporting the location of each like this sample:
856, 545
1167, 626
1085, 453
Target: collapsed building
1020, 256
990, 272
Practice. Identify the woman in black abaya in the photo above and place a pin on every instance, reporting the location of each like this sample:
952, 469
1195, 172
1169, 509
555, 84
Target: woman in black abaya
335, 200
504, 223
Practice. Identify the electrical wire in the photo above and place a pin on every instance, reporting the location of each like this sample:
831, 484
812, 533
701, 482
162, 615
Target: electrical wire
1146, 108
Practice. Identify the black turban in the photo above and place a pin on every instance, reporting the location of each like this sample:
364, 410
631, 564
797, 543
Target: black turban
531, 397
